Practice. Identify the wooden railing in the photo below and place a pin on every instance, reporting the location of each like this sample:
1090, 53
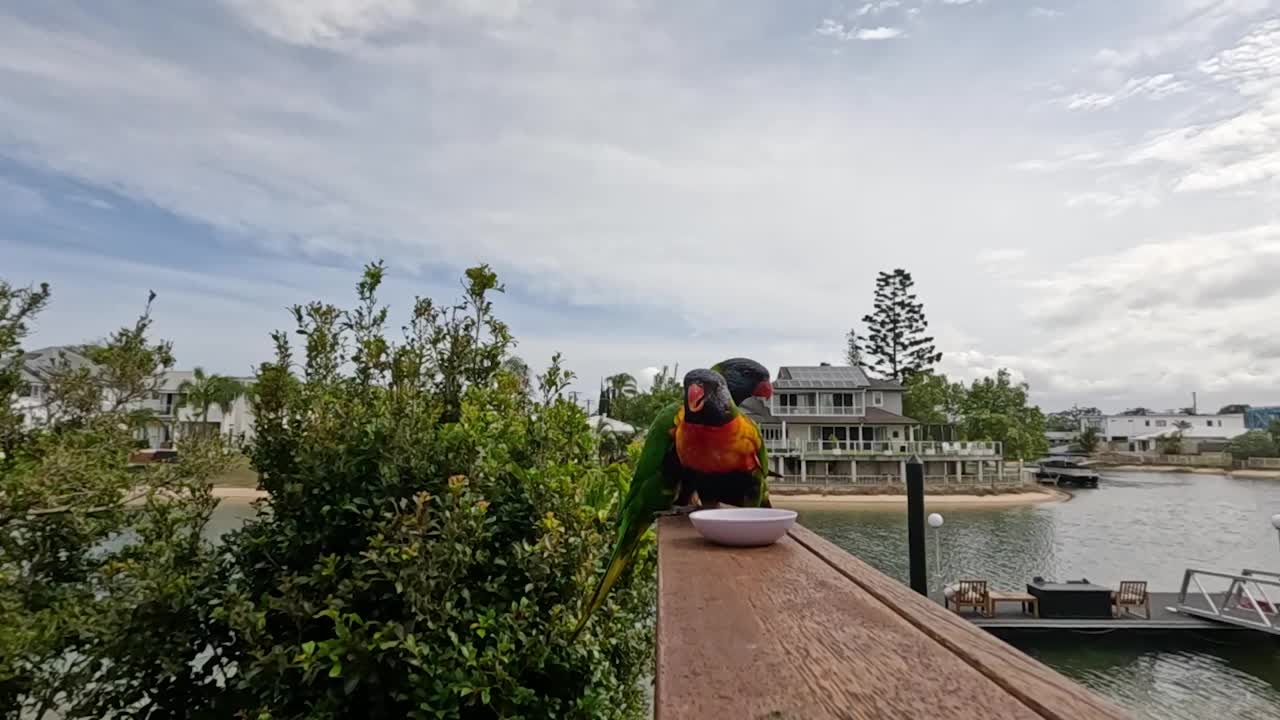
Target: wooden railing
801, 629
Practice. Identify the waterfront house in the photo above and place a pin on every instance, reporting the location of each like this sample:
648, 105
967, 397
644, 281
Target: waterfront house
828, 424
169, 418
1142, 433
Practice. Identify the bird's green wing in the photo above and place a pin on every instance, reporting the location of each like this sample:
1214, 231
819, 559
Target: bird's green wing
653, 489
762, 474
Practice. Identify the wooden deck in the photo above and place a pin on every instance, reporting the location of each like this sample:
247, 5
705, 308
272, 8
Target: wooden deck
1008, 617
802, 630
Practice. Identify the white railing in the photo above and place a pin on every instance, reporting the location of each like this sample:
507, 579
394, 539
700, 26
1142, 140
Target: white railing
925, 449
1247, 599
1009, 479
820, 410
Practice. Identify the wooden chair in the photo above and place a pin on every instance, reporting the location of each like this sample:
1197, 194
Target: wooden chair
973, 594
1132, 594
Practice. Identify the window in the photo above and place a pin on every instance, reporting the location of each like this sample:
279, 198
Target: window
1148, 423
27, 390
771, 432
877, 399
1161, 423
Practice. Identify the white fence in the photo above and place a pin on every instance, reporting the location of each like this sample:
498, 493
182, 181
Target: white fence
1264, 463
1217, 460
925, 449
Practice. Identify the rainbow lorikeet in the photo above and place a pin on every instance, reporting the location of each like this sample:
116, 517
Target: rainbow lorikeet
704, 445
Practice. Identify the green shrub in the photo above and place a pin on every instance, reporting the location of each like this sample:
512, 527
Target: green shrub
432, 526
432, 531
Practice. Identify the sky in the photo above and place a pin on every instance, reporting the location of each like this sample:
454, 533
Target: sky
1084, 190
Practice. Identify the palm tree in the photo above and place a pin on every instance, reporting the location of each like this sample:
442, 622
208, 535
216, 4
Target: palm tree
622, 385
204, 391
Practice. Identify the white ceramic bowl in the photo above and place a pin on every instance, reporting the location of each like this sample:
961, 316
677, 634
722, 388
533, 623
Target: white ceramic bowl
743, 527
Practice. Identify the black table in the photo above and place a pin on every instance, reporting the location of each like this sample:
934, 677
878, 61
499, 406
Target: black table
1072, 600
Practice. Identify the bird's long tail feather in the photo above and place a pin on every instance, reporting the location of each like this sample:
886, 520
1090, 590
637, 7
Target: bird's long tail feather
623, 551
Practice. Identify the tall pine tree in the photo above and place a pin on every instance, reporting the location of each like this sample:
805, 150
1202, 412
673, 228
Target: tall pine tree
853, 353
896, 345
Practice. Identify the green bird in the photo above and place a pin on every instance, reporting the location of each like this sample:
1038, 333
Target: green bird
661, 478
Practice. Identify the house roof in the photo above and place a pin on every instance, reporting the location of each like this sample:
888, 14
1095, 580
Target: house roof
812, 377
878, 384
37, 364
758, 410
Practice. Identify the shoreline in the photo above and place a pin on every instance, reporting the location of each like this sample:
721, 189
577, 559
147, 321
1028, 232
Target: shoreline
238, 493
1229, 472
813, 501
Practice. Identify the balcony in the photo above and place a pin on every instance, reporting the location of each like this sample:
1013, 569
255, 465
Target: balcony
853, 411
925, 449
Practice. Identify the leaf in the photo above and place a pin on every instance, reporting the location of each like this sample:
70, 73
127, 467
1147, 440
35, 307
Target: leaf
336, 670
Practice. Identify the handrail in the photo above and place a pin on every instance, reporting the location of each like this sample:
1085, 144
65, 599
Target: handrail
1247, 585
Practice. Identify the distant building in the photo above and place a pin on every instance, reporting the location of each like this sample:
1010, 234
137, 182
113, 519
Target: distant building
833, 423
1142, 433
170, 419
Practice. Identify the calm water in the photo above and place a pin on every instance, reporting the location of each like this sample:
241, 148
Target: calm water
1137, 526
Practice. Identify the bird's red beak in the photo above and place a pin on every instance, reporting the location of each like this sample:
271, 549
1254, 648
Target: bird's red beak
763, 390
696, 397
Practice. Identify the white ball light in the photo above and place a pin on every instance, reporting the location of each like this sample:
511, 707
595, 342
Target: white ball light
935, 520
1275, 521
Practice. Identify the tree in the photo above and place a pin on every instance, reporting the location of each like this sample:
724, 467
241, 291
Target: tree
1273, 429
1069, 420
622, 385
203, 391
73, 591
1137, 411
1234, 409
931, 398
996, 409
519, 369
1255, 443
640, 409
896, 342
853, 348
1187, 411
1088, 439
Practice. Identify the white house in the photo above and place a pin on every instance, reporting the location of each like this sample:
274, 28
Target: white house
1141, 433
833, 423
170, 419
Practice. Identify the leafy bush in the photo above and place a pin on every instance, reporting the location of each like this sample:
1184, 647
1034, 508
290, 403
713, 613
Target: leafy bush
432, 527
88, 546
1255, 443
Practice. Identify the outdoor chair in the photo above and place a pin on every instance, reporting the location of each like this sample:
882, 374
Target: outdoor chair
1132, 594
972, 594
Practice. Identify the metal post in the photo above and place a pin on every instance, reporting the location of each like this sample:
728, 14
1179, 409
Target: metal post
915, 526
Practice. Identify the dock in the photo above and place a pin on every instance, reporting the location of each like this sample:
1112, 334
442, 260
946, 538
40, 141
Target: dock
802, 630
1163, 619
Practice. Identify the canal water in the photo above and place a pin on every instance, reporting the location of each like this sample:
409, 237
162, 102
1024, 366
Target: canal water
1136, 526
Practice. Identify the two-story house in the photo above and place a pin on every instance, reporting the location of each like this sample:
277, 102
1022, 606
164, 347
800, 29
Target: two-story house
834, 424
170, 417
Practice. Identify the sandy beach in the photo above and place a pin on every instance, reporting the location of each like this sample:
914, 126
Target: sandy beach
810, 502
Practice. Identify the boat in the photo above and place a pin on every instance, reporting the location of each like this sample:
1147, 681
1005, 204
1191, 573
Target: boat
1063, 471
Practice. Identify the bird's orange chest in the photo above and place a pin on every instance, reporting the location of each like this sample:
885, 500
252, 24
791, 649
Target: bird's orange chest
732, 447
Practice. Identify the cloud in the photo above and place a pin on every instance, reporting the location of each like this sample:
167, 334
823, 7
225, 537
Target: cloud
1116, 202
1151, 87
19, 198
596, 153
961, 2
875, 8
878, 33
833, 29
1001, 256
1042, 12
